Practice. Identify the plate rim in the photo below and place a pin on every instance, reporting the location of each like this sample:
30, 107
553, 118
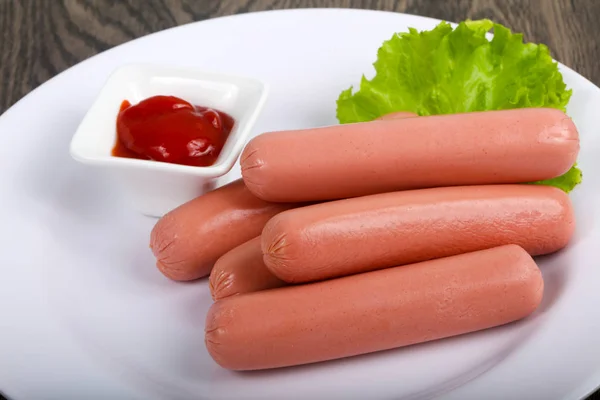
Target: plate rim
585, 388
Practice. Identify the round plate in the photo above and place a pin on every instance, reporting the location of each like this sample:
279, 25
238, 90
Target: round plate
85, 314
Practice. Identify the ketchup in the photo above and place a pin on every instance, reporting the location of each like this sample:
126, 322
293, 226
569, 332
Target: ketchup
169, 129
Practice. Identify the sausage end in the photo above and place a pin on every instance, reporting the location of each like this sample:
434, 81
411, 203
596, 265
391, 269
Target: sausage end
277, 246
567, 219
532, 279
220, 283
217, 334
166, 245
561, 222
563, 137
252, 166
163, 243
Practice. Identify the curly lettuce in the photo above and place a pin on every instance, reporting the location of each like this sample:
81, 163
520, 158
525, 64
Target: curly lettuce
446, 71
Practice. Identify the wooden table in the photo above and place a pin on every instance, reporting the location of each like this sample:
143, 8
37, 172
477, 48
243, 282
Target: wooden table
40, 38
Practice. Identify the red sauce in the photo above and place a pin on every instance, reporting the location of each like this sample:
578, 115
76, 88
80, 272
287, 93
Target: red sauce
169, 129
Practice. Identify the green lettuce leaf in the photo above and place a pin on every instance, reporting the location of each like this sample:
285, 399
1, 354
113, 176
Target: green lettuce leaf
566, 182
446, 71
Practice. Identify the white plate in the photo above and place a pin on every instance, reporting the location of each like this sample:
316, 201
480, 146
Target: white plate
84, 314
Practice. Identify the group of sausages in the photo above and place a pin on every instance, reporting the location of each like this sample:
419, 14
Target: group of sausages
356, 238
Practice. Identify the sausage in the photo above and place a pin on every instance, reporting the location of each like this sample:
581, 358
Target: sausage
373, 311
189, 239
241, 270
361, 234
492, 147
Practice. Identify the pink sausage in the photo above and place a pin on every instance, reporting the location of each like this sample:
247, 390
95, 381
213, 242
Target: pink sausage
241, 270
374, 311
493, 147
188, 240
367, 233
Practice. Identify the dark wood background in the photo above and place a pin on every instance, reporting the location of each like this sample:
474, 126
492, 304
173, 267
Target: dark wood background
40, 38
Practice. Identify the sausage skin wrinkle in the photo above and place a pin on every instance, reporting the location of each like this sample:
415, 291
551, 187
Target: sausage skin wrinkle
241, 270
373, 311
390, 154
189, 239
361, 234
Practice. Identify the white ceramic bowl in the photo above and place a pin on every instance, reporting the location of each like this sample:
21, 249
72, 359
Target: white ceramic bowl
157, 187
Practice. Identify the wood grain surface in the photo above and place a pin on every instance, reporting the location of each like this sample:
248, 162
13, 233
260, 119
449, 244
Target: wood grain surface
40, 38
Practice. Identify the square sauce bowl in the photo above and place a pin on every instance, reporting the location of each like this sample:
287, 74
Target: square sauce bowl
155, 187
